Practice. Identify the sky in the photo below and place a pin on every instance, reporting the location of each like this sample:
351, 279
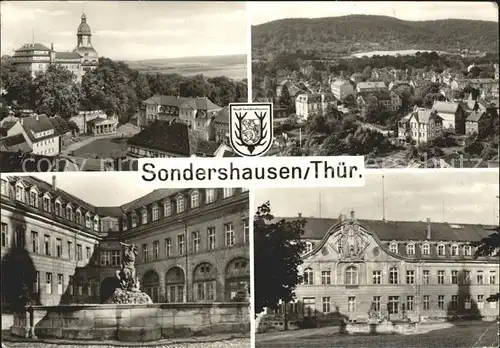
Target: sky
129, 30
446, 196
262, 12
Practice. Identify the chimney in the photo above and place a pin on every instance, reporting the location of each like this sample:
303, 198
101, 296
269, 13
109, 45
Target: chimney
51, 46
300, 215
428, 228
352, 214
342, 217
54, 186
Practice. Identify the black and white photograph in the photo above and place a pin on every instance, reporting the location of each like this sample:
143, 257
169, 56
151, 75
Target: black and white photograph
406, 84
408, 260
88, 83
106, 262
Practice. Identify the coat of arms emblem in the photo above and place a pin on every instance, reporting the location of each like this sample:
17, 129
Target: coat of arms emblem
251, 128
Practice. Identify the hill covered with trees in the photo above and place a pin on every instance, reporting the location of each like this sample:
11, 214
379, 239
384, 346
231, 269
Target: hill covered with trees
327, 37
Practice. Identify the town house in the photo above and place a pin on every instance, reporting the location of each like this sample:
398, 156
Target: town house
40, 134
420, 126
453, 115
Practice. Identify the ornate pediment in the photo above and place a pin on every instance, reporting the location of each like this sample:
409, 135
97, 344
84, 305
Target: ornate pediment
351, 242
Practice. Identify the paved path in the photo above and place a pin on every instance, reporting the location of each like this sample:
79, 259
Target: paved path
79, 144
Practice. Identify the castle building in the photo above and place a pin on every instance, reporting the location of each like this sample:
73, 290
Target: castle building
36, 57
353, 269
56, 248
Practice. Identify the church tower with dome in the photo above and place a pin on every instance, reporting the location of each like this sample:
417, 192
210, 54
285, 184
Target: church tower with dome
84, 47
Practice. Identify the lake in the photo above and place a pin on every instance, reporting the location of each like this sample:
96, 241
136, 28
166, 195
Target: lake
391, 53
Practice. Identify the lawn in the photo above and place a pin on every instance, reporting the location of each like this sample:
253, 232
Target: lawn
474, 335
103, 148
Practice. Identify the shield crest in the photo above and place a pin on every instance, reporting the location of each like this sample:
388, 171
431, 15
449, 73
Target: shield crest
251, 128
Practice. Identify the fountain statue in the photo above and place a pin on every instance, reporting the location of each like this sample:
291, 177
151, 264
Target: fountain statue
129, 291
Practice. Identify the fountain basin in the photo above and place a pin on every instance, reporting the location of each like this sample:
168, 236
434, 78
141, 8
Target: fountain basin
132, 322
382, 328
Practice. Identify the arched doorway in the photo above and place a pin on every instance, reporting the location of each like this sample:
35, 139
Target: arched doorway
108, 287
237, 279
204, 282
151, 285
175, 285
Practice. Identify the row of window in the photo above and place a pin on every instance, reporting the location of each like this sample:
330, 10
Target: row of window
229, 241
179, 205
395, 304
351, 277
75, 286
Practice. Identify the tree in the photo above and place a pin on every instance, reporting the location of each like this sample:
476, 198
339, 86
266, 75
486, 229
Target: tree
490, 246
19, 86
277, 250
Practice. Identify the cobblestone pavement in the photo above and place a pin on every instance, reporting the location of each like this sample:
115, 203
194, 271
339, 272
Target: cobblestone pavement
234, 343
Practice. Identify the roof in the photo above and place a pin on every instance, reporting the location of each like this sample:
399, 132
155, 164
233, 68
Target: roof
475, 116
223, 115
424, 115
372, 84
84, 28
150, 198
340, 82
199, 103
15, 143
33, 47
67, 55
16, 162
316, 228
36, 124
445, 107
174, 138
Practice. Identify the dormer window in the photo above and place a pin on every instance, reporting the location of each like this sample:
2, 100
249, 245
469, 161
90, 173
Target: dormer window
195, 201
393, 247
167, 208
467, 250
144, 216
96, 223
5, 188
19, 193
78, 217
69, 212
209, 195
124, 222
426, 249
46, 204
88, 221
133, 218
309, 247
155, 212
454, 250
410, 249
228, 192
440, 250
58, 206
34, 198
179, 204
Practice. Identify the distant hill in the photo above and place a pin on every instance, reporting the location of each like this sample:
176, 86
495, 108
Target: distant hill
359, 33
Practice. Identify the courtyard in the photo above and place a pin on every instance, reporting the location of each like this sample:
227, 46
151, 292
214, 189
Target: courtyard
109, 147
460, 334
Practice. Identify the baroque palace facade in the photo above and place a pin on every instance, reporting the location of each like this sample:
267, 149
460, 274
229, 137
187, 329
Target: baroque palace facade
36, 57
193, 244
355, 269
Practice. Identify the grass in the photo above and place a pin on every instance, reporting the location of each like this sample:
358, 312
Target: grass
103, 148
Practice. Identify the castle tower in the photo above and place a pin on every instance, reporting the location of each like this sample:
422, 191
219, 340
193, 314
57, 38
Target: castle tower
83, 34
84, 47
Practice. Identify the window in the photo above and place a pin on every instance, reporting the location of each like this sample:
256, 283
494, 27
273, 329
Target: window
229, 234
454, 277
393, 248
79, 252
5, 190
105, 258
144, 253
426, 302
58, 209
181, 244
195, 199
308, 276
46, 245
325, 277
466, 279
467, 250
440, 277
441, 301
196, 241
440, 250
115, 258
58, 247
180, 204
410, 277
156, 249
467, 302
36, 283
71, 285
155, 211
88, 221
34, 241
309, 247
167, 208
5, 235
33, 199
211, 238
480, 301
376, 277
246, 231
78, 217
454, 301
454, 250
48, 283
19, 193
326, 304
426, 276
426, 250
144, 217
309, 306
209, 195
88, 253
410, 302
340, 247
393, 276
493, 304
228, 192
493, 277
410, 249
168, 247
351, 304
60, 281
376, 303
69, 213
351, 276
393, 305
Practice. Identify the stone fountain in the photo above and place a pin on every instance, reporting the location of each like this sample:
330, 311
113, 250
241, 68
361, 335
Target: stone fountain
129, 292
